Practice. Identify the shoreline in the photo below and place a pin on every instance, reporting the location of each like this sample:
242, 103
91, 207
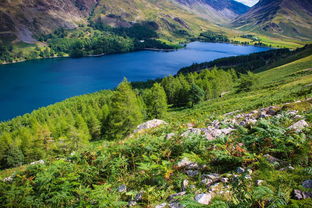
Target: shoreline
104, 54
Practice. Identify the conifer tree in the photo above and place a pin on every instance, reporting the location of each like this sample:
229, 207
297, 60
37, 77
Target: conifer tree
196, 94
156, 102
125, 111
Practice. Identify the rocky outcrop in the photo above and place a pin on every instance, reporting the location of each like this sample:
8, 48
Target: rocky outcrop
149, 125
203, 198
299, 126
27, 18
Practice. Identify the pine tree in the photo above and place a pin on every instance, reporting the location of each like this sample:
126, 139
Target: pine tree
196, 94
156, 102
14, 156
125, 111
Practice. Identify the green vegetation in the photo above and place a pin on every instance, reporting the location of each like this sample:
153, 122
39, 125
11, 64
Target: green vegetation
210, 36
255, 62
90, 150
87, 41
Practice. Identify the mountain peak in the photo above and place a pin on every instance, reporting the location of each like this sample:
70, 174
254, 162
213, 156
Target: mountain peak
290, 18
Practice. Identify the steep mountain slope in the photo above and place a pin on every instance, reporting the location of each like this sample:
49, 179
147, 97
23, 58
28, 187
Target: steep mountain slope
165, 15
217, 11
21, 19
291, 18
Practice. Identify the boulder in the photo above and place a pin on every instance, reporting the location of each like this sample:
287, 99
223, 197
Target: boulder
138, 197
39, 162
224, 180
122, 188
173, 196
299, 195
307, 184
149, 125
272, 159
240, 170
8, 179
176, 205
187, 164
170, 136
192, 173
260, 182
185, 184
204, 198
163, 205
191, 132
298, 126
132, 203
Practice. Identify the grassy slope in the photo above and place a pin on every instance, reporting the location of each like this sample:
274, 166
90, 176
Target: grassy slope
146, 162
286, 83
278, 85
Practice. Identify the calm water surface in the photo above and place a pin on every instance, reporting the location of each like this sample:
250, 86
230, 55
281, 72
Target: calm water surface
29, 85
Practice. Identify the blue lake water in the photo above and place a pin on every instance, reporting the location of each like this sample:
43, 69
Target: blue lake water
29, 85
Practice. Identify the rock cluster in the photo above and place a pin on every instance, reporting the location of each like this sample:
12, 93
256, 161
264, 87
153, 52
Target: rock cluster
149, 125
210, 133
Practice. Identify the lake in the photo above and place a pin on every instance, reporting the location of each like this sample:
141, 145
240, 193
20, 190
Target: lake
29, 85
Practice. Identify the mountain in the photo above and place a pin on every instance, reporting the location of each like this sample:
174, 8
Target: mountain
23, 20
217, 11
290, 18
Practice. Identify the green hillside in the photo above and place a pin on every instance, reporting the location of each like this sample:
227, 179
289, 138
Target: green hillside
228, 141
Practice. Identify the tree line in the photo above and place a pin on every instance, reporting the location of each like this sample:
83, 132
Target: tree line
70, 125
254, 62
95, 39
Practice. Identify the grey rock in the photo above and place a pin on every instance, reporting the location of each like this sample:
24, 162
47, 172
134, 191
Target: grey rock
271, 159
149, 125
215, 124
163, 205
138, 197
249, 171
307, 184
191, 132
192, 173
132, 203
39, 162
122, 188
213, 176
292, 113
176, 205
298, 117
242, 123
224, 180
240, 170
299, 195
260, 182
207, 181
248, 177
215, 187
185, 184
8, 179
170, 136
287, 168
251, 121
298, 126
187, 164
204, 198
173, 196
227, 131
271, 111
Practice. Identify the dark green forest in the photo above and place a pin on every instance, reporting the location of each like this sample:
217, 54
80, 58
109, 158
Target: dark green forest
255, 62
96, 39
